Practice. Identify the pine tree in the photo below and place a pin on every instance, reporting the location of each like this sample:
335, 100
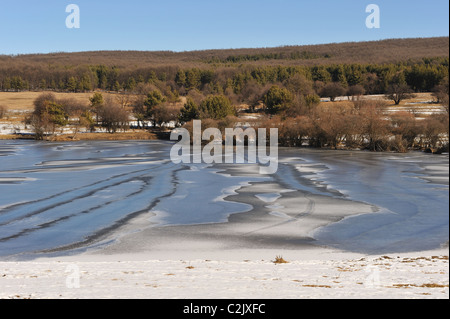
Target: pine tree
97, 104
180, 78
277, 99
189, 112
217, 107
71, 84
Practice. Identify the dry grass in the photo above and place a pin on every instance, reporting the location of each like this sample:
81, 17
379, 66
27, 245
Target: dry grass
410, 260
432, 285
346, 269
280, 260
23, 101
421, 105
317, 286
10, 137
420, 98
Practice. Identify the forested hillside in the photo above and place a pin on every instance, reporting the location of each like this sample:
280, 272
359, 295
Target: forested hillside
424, 63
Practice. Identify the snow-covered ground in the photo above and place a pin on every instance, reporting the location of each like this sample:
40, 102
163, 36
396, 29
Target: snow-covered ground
314, 274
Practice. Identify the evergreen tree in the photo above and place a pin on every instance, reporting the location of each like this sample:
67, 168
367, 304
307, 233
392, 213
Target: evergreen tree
85, 84
57, 114
71, 84
180, 78
101, 72
277, 99
43, 84
151, 102
192, 79
217, 107
97, 104
189, 112
131, 84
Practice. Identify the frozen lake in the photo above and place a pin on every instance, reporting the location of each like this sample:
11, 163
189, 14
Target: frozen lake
57, 197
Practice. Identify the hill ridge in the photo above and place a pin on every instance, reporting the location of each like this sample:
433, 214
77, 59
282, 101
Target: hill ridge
377, 51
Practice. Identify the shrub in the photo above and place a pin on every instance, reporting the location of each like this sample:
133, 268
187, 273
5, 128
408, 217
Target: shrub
332, 90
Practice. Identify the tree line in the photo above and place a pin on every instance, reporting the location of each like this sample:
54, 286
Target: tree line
303, 120
421, 75
297, 55
362, 125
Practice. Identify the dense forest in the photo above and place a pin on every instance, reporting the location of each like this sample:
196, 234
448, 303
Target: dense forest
284, 83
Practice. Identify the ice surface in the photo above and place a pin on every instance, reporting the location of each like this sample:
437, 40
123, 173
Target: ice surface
59, 195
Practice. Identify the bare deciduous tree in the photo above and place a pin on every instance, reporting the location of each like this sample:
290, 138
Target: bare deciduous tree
398, 92
375, 127
113, 116
166, 113
355, 92
405, 130
441, 93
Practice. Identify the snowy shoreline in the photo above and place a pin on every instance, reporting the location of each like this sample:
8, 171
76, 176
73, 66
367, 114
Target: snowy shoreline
309, 274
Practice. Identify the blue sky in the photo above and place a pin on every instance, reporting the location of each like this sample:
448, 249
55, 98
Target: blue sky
29, 26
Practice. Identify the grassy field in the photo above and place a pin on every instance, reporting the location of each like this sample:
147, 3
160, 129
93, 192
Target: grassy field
19, 104
23, 101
